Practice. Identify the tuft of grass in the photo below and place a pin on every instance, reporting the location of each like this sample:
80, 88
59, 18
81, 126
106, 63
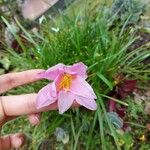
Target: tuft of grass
82, 36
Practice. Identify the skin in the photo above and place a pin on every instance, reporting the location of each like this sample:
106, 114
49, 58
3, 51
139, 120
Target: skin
18, 105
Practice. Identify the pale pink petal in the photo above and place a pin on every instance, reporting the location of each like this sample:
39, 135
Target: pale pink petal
80, 87
88, 103
78, 68
46, 96
53, 72
58, 79
65, 100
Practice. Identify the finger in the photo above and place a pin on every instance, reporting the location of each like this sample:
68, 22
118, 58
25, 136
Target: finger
12, 141
3, 117
12, 80
24, 105
34, 119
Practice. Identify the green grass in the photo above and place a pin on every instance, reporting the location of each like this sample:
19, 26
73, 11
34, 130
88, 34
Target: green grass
84, 36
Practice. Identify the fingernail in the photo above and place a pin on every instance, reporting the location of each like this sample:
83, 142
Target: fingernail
40, 74
36, 119
20, 140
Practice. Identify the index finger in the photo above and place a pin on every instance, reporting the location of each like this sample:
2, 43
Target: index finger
11, 80
23, 105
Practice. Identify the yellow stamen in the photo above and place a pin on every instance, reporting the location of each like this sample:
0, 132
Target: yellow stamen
65, 82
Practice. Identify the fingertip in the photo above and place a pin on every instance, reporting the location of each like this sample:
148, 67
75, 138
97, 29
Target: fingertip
40, 74
17, 140
34, 119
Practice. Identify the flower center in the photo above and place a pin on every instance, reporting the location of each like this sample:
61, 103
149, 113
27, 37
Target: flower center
65, 82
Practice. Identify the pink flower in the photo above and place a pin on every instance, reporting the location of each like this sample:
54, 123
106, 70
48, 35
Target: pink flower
68, 85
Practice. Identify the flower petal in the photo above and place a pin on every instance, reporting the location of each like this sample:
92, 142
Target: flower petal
53, 72
46, 96
80, 87
78, 68
86, 102
65, 100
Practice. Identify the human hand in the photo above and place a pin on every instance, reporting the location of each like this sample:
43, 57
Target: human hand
15, 106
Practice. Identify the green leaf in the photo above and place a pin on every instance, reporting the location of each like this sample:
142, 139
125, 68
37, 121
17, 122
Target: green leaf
5, 62
105, 80
114, 99
125, 139
115, 119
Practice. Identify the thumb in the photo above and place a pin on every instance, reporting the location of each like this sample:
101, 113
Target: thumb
12, 141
